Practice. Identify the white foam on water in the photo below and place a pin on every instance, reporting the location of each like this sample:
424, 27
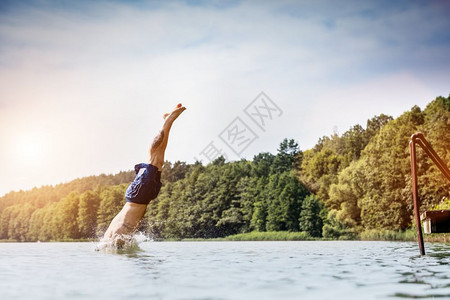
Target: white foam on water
122, 242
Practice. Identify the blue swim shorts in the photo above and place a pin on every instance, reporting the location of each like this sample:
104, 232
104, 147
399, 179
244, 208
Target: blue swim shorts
146, 184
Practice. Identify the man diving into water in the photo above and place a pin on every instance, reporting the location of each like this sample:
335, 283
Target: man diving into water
144, 188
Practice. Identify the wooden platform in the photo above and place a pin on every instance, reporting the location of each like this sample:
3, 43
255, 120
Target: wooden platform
436, 221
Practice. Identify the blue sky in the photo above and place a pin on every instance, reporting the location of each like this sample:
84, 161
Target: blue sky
83, 84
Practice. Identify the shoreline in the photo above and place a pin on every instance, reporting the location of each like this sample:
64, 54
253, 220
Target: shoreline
372, 235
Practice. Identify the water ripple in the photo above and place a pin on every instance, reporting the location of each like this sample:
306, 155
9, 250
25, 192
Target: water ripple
226, 270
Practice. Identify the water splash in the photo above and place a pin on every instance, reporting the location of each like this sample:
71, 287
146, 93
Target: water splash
122, 243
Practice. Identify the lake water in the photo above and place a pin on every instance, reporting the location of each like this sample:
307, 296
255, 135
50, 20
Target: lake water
225, 270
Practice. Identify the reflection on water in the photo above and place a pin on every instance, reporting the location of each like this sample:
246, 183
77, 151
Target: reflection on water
430, 271
225, 270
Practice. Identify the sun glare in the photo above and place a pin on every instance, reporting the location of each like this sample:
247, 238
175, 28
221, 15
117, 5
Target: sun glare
28, 148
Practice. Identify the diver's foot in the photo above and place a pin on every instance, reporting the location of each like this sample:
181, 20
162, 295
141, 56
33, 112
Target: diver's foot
175, 113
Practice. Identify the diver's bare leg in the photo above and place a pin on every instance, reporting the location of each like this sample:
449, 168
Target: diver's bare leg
158, 147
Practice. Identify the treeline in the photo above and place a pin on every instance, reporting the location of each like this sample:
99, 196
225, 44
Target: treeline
64, 211
345, 185
222, 198
196, 201
364, 176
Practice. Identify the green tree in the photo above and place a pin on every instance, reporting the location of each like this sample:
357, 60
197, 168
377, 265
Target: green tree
288, 157
36, 227
112, 201
259, 217
174, 172
320, 170
285, 199
262, 164
433, 186
353, 142
275, 220
49, 230
334, 229
375, 124
249, 190
66, 217
87, 213
345, 195
310, 216
19, 217
386, 202
4, 222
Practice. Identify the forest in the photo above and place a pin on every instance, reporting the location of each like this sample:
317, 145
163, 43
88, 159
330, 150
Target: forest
345, 185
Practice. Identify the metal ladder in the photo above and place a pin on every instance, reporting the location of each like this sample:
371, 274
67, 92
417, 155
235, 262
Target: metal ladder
419, 139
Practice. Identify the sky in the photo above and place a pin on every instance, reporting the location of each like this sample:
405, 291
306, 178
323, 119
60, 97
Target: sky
84, 84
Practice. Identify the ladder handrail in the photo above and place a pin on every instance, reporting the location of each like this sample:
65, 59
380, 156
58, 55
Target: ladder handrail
419, 139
